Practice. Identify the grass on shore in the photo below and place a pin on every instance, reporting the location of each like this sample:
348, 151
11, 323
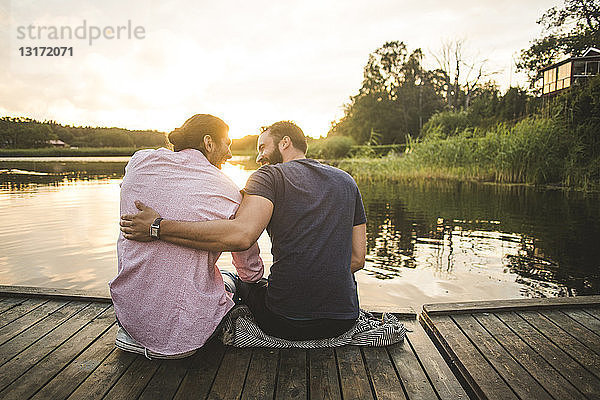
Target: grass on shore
535, 151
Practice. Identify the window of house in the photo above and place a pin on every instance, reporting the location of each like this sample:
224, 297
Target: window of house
592, 68
564, 76
578, 68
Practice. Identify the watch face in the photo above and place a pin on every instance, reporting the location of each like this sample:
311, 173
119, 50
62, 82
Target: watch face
155, 229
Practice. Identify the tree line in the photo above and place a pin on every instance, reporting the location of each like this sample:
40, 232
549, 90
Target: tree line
22, 133
400, 100
27, 133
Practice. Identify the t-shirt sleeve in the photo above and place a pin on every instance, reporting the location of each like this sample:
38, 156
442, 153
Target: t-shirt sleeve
359, 210
261, 183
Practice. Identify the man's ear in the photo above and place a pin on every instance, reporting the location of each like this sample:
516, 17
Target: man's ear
208, 143
285, 142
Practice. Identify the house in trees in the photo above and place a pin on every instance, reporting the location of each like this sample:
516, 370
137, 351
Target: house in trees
56, 143
568, 72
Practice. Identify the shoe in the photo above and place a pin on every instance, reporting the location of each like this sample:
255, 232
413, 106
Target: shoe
127, 343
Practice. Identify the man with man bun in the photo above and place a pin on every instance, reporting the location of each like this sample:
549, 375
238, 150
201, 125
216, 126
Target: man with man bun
169, 299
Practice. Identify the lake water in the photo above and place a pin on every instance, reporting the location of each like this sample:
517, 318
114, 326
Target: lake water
427, 242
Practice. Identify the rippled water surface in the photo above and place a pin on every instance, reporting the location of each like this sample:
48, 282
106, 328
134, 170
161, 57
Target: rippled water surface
427, 242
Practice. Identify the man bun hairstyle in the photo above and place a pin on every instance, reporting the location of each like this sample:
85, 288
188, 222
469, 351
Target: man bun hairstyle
191, 134
287, 128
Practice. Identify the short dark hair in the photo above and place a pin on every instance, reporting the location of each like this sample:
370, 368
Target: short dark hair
287, 128
192, 132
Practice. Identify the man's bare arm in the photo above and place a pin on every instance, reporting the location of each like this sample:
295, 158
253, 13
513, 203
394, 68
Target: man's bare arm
236, 234
359, 247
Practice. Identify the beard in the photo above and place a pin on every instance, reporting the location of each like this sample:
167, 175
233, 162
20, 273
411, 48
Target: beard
275, 157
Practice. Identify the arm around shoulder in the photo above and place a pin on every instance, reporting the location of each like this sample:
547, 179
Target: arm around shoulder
237, 234
252, 218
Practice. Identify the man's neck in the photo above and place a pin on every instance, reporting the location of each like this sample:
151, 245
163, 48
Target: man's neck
293, 156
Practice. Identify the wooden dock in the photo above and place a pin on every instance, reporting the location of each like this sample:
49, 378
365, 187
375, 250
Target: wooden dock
521, 349
58, 344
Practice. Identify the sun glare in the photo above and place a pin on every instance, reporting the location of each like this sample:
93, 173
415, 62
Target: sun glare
238, 174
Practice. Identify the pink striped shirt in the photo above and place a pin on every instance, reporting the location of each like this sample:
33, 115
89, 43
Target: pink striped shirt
167, 297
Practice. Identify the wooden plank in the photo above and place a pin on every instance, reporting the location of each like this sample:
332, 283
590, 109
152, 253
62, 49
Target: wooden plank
291, 379
437, 370
353, 375
19, 310
589, 321
324, 381
468, 307
166, 380
476, 371
40, 349
382, 374
99, 382
512, 372
37, 331
12, 329
260, 380
134, 380
8, 303
589, 360
45, 369
63, 384
55, 293
411, 373
535, 364
575, 329
202, 370
231, 376
571, 370
595, 312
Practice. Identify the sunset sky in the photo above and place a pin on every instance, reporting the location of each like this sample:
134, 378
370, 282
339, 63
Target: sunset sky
249, 62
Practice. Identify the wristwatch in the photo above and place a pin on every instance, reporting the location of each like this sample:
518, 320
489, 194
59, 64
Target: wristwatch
155, 229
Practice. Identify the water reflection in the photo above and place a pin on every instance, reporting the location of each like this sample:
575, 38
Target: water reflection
546, 242
20, 173
60, 235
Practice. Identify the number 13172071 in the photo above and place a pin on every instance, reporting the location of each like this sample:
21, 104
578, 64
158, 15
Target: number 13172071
46, 51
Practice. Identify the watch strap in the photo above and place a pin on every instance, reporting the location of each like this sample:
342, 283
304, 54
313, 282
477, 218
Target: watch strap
155, 229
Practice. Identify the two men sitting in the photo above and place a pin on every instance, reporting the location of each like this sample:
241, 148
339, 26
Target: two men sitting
170, 297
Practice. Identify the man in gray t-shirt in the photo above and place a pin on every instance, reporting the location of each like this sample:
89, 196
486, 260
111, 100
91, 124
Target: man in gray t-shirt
315, 207
316, 220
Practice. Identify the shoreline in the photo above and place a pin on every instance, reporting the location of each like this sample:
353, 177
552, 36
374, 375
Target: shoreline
369, 170
86, 151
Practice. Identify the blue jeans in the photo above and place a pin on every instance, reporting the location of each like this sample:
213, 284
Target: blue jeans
229, 279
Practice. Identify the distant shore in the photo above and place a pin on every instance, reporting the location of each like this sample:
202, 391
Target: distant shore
69, 152
87, 152
397, 168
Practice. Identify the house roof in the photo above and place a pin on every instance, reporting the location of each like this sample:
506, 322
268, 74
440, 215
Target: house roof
592, 51
590, 54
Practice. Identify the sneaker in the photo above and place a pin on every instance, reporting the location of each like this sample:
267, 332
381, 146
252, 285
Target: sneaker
127, 343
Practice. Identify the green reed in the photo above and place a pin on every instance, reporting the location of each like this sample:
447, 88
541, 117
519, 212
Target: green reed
534, 151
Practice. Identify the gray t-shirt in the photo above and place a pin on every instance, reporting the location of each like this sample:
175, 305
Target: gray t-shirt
315, 209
